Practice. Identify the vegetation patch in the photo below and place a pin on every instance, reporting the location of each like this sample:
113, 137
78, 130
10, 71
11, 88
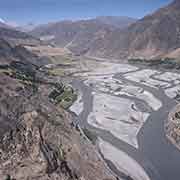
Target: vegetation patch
57, 72
63, 96
167, 63
61, 59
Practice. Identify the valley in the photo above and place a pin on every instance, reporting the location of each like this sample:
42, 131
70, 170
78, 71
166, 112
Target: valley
92, 97
123, 108
127, 106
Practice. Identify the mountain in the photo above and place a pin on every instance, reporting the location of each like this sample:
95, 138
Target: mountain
65, 33
9, 53
156, 35
12, 48
27, 27
117, 21
15, 37
79, 35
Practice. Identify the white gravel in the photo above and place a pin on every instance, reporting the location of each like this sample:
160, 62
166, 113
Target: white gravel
144, 77
139, 93
78, 105
172, 92
117, 115
168, 76
122, 161
108, 84
104, 83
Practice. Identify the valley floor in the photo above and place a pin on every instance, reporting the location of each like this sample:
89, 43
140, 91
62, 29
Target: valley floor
126, 107
122, 99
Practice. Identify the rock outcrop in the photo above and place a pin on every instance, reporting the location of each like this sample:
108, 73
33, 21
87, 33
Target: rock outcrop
37, 139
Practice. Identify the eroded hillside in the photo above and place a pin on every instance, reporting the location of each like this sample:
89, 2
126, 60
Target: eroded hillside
38, 138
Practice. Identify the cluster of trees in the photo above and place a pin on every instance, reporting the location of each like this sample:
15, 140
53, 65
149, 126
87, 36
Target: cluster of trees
63, 95
168, 63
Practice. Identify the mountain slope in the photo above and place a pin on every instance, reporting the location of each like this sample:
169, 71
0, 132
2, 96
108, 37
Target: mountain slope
66, 32
37, 139
9, 53
156, 35
15, 37
79, 35
153, 36
117, 21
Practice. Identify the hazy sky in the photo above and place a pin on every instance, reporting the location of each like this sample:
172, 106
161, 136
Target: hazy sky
41, 11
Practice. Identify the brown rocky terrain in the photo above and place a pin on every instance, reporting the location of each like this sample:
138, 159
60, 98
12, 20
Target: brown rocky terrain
9, 53
37, 138
38, 141
15, 37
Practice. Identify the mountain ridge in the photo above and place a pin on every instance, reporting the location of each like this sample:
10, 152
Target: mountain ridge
75, 33
117, 21
156, 35
153, 36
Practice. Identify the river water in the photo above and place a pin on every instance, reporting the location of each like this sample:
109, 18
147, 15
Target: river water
159, 158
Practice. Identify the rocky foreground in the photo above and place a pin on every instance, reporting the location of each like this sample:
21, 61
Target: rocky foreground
37, 137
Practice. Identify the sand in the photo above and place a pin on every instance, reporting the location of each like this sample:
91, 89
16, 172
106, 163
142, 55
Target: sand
78, 105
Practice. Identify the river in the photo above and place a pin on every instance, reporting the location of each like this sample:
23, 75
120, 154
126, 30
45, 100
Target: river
159, 158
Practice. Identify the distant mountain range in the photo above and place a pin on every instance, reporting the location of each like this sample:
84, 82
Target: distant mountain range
156, 35
15, 37
79, 34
